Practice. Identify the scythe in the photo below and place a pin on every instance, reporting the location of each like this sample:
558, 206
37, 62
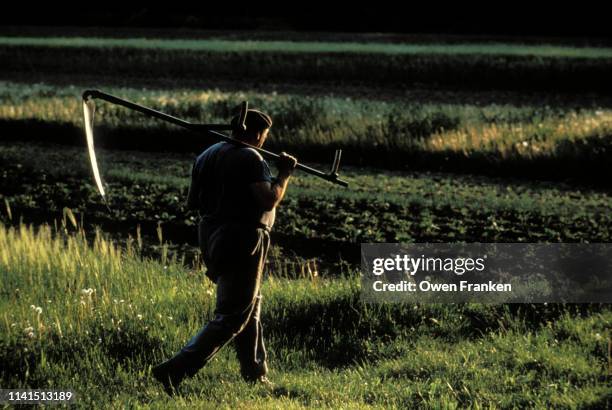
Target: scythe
211, 130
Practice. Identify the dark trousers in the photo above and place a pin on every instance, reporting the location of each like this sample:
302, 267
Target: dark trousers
235, 258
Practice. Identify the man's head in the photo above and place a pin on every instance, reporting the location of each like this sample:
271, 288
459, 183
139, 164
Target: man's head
257, 126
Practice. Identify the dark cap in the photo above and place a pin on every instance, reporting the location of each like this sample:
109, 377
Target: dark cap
256, 121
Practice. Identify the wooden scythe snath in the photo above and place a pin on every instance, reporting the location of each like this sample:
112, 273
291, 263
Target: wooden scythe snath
211, 130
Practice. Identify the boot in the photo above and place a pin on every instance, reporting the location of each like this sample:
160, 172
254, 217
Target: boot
171, 373
266, 383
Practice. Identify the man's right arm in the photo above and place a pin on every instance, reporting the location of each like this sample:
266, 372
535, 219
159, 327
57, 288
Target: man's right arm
270, 194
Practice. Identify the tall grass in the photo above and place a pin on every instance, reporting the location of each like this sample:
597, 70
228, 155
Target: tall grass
93, 318
530, 138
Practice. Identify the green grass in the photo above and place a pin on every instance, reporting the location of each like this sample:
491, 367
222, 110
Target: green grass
548, 140
94, 318
470, 66
78, 311
226, 46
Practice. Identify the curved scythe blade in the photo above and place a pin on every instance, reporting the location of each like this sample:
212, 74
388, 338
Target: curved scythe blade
89, 107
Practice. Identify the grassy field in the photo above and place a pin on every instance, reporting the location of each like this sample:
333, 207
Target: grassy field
464, 66
553, 141
82, 315
224, 46
185, 33
444, 141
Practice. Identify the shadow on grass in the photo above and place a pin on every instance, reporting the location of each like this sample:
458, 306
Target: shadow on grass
342, 331
22, 358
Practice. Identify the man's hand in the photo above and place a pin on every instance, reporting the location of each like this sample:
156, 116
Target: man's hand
269, 195
285, 164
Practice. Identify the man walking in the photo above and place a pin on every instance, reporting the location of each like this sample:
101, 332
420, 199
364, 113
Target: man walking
236, 195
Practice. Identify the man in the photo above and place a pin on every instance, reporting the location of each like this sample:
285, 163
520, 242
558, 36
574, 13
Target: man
237, 197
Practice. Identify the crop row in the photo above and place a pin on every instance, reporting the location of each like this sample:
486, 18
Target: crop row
146, 189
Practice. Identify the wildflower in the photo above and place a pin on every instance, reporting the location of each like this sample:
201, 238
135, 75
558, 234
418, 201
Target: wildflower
37, 309
139, 316
88, 292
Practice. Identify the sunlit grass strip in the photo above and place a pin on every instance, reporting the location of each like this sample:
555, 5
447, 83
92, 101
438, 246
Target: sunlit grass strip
510, 131
53, 281
212, 45
73, 280
525, 139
